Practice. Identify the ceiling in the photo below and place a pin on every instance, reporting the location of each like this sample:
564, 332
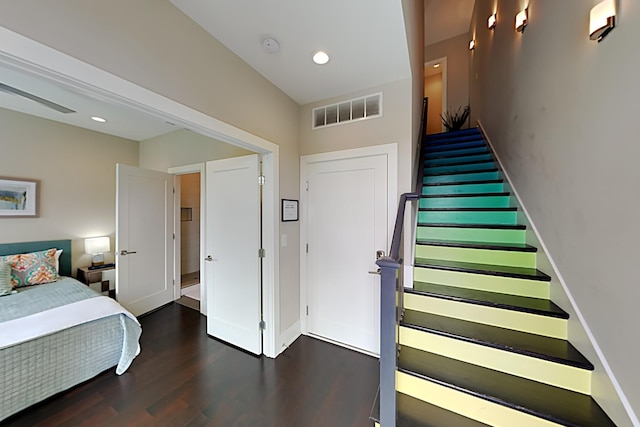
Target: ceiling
366, 41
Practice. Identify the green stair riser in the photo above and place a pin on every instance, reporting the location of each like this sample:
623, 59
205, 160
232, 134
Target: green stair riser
484, 235
459, 152
466, 202
503, 318
477, 176
478, 256
468, 217
448, 160
520, 365
459, 168
493, 187
483, 282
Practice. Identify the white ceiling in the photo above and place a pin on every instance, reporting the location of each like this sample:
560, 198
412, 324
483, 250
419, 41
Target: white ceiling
366, 40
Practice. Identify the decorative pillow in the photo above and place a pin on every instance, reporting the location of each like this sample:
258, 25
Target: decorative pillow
6, 288
34, 268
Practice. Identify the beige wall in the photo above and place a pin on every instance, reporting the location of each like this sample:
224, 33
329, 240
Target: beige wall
173, 56
561, 110
433, 90
183, 147
190, 230
456, 50
77, 173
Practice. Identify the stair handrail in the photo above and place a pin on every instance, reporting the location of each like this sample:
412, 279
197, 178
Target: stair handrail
391, 293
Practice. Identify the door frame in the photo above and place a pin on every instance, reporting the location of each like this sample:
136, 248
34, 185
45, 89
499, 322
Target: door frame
177, 263
391, 150
443, 67
36, 58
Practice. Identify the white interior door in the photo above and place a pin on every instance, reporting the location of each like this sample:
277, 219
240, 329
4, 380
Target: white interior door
232, 241
144, 238
346, 223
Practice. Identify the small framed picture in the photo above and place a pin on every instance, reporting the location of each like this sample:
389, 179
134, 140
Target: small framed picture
289, 210
18, 198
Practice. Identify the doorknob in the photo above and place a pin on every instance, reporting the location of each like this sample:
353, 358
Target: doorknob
125, 252
209, 258
379, 254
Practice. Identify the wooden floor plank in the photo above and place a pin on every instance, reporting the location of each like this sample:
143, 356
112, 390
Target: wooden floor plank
184, 378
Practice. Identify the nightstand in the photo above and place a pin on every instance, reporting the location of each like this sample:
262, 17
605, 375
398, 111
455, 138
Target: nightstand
89, 276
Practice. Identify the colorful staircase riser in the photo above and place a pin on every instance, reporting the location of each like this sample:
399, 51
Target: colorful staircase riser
480, 341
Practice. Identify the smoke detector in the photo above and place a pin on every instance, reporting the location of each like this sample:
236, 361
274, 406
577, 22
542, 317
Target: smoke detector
270, 45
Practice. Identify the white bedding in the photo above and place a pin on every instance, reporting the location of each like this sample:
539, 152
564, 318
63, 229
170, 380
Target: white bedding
47, 322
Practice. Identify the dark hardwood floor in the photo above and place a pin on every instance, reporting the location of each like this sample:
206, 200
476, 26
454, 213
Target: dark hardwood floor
184, 378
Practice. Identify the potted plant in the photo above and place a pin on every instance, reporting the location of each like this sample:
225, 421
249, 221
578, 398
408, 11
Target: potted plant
455, 120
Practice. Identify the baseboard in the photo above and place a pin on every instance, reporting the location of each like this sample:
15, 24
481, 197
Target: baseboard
603, 361
289, 336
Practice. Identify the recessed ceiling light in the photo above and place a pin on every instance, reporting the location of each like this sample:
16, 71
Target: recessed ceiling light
436, 66
98, 119
320, 57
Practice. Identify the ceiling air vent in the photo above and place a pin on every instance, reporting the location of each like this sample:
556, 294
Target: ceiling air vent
366, 107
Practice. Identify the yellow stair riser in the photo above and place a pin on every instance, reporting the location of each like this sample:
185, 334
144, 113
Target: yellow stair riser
467, 405
532, 368
478, 256
509, 319
483, 282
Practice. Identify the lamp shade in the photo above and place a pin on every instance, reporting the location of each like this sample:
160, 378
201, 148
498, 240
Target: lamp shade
521, 20
602, 19
96, 245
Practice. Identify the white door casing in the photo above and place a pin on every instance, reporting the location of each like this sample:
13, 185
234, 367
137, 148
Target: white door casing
347, 216
232, 242
144, 238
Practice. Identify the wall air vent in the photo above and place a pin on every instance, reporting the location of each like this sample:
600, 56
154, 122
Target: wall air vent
366, 107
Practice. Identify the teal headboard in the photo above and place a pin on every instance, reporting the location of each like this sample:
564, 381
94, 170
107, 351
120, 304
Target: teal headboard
25, 247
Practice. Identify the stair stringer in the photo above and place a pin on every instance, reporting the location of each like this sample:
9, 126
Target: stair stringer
605, 388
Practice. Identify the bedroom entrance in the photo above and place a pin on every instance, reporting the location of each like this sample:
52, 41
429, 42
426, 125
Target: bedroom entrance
190, 240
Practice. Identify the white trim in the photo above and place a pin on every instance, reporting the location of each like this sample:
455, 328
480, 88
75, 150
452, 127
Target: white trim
183, 170
35, 58
574, 305
391, 150
289, 336
443, 67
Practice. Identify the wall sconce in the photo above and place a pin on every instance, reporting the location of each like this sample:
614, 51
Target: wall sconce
472, 44
521, 21
491, 22
602, 19
97, 246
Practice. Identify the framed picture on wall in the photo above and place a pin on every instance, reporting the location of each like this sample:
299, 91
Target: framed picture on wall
289, 210
18, 198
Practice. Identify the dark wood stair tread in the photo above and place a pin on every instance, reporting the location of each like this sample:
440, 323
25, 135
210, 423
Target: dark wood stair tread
555, 404
532, 345
414, 412
454, 195
461, 172
515, 247
505, 209
489, 269
486, 181
538, 306
489, 226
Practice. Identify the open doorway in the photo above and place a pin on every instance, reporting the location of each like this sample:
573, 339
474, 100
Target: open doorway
190, 294
435, 84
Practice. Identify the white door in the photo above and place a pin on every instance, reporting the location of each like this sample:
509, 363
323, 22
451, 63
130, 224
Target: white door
346, 223
144, 238
232, 242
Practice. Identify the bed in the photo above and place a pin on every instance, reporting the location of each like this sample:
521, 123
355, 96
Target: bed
56, 335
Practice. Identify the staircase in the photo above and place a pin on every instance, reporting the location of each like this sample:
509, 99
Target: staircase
480, 341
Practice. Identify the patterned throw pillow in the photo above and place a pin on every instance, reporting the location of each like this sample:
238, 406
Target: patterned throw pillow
34, 268
6, 288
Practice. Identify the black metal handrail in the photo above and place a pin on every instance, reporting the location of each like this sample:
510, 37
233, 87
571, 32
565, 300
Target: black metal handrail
391, 294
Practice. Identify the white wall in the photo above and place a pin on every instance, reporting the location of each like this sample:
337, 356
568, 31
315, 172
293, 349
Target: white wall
561, 110
153, 44
77, 172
